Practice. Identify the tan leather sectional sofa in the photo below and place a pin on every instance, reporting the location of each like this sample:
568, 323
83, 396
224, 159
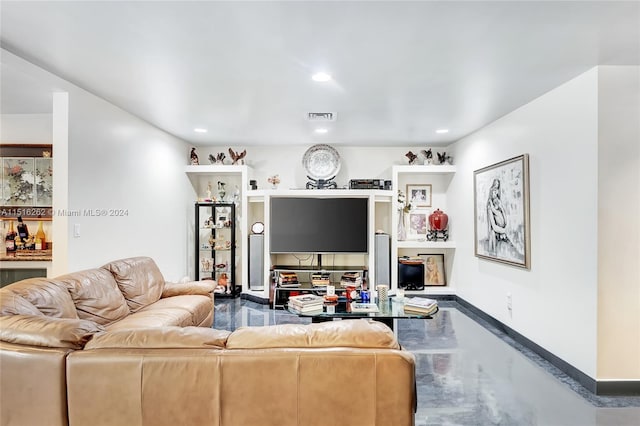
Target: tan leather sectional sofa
118, 345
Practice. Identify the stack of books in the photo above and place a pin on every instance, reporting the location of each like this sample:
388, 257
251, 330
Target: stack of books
288, 279
420, 305
351, 279
320, 279
306, 303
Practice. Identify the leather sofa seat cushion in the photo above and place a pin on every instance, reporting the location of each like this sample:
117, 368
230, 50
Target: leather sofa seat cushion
139, 280
49, 296
183, 311
48, 332
96, 295
161, 338
14, 304
346, 333
198, 307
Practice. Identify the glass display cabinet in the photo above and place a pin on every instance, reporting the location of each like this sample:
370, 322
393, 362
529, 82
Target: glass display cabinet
215, 246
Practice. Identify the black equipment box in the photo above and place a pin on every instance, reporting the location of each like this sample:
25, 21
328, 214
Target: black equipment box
369, 184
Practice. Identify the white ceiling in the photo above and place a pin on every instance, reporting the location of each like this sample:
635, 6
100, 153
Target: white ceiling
242, 69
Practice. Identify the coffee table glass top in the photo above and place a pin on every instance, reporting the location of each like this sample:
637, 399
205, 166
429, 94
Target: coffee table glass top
391, 309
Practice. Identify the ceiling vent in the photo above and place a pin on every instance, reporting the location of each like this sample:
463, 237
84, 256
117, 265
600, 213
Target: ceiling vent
322, 116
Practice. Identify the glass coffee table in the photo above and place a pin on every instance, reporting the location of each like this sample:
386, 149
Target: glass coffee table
387, 312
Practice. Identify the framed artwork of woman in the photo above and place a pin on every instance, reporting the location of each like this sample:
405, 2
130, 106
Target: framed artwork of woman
501, 202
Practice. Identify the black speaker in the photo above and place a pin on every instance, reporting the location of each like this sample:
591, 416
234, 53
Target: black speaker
256, 262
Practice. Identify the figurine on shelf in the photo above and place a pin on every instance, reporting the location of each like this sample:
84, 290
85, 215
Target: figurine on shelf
237, 157
442, 157
209, 195
428, 156
411, 156
219, 159
194, 157
236, 195
274, 181
221, 190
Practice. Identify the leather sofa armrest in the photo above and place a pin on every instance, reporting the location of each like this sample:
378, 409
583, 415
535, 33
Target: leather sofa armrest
163, 337
204, 288
47, 331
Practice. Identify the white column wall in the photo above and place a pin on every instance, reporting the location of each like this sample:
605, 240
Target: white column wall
554, 303
619, 223
128, 185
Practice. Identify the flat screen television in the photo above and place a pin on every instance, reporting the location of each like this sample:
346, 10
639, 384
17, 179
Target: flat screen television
319, 225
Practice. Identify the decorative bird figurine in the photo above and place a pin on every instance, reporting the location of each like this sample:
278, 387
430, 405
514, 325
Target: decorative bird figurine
194, 157
442, 157
220, 158
411, 156
238, 158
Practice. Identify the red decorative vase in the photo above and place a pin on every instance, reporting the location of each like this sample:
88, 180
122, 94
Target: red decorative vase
438, 220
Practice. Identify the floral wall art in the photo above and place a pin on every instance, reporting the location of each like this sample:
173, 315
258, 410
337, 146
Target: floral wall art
26, 185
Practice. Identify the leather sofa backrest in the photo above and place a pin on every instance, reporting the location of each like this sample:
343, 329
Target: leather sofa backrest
50, 297
139, 280
96, 295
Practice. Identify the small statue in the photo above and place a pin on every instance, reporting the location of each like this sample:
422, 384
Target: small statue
238, 158
236, 195
217, 159
209, 192
442, 157
194, 157
221, 191
411, 156
428, 155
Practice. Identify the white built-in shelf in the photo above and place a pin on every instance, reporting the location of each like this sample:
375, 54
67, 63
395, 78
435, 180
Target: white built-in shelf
217, 169
409, 244
424, 169
431, 290
380, 195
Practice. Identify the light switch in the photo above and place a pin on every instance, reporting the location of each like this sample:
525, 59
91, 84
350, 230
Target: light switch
76, 230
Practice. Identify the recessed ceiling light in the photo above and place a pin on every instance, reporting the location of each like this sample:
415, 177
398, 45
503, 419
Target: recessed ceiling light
321, 130
321, 77
200, 130
442, 131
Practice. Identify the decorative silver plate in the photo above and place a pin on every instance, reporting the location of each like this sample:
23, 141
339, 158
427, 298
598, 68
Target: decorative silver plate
321, 161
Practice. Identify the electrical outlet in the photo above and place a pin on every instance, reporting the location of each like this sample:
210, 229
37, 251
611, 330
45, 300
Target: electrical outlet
509, 300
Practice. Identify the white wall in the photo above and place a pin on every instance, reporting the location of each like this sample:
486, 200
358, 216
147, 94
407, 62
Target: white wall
25, 128
554, 303
131, 176
619, 223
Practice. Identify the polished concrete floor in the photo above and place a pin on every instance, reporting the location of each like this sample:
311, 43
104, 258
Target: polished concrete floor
470, 374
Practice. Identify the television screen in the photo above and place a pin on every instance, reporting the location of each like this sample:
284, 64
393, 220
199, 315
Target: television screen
319, 225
